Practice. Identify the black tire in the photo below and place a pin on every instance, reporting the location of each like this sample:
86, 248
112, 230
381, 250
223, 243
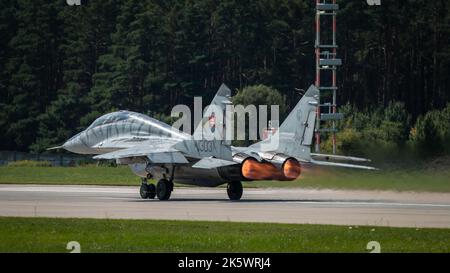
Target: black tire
151, 191
164, 189
143, 191
234, 190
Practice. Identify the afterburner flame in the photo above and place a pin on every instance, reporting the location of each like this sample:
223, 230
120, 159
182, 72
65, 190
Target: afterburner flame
254, 170
291, 169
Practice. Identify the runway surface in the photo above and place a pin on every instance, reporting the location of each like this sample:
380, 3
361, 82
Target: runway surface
377, 208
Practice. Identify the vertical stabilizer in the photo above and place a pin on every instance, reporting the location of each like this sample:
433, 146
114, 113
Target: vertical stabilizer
294, 137
212, 124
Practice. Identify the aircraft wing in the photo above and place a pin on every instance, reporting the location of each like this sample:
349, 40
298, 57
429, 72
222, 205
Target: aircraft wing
156, 153
344, 165
130, 142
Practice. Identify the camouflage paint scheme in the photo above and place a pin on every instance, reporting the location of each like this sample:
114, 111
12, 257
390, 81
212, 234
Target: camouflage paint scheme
154, 149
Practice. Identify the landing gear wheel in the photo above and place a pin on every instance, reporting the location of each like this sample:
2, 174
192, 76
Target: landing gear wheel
164, 189
147, 191
143, 191
151, 188
234, 190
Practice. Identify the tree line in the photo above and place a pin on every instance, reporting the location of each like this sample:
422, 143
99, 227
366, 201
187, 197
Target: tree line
63, 66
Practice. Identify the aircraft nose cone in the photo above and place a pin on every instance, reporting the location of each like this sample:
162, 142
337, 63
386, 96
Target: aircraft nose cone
74, 145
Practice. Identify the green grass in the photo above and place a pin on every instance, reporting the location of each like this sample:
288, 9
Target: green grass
29, 163
399, 180
86, 175
52, 235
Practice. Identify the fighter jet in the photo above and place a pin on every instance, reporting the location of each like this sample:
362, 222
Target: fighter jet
156, 150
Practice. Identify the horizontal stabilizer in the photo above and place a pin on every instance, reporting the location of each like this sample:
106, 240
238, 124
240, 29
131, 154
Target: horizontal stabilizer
339, 157
343, 165
210, 163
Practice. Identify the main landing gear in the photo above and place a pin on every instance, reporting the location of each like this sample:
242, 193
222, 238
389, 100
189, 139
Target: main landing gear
162, 190
234, 190
147, 191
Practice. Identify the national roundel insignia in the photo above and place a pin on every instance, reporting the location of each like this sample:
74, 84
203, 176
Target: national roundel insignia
212, 121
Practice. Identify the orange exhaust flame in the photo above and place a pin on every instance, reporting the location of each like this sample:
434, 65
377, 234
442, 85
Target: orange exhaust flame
291, 169
254, 170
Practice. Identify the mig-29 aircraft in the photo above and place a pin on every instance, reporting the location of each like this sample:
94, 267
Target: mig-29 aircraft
156, 150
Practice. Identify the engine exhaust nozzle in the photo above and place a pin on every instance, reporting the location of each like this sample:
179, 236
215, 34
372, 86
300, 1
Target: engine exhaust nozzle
291, 169
254, 170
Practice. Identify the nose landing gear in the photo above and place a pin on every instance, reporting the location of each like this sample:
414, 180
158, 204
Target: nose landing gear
163, 188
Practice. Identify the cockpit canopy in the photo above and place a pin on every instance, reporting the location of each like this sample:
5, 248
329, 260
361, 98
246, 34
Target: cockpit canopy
128, 117
130, 124
110, 118
125, 116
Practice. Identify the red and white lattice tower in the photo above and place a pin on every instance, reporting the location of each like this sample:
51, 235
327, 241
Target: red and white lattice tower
326, 62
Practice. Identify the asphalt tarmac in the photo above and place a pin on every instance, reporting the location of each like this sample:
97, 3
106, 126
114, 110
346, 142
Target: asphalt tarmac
302, 206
